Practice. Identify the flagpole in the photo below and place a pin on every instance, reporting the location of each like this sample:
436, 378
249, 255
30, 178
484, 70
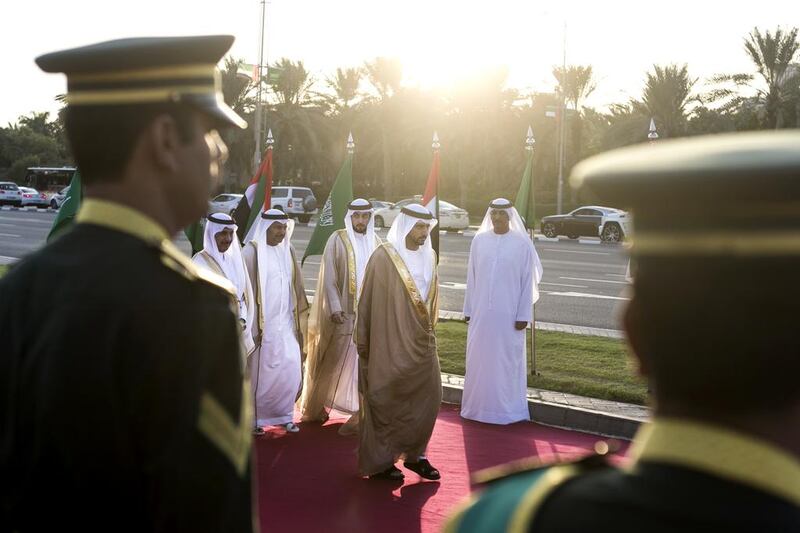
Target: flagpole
529, 142
257, 118
435, 145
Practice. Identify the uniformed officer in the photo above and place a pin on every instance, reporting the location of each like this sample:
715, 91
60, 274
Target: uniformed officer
713, 325
121, 389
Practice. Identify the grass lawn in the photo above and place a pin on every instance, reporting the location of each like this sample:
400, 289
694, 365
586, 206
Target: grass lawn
3, 269
596, 367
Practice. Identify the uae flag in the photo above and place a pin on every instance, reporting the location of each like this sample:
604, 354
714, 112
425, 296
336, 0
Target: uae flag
256, 197
431, 197
66, 214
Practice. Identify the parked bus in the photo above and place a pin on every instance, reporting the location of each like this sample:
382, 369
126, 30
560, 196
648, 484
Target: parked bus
49, 179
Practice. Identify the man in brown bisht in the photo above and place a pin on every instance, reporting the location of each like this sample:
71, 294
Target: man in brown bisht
331, 382
399, 376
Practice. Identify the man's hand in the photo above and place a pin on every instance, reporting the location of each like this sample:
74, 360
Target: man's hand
338, 318
520, 325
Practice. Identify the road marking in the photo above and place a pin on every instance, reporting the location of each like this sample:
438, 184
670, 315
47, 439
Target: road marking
27, 220
587, 295
9, 235
453, 285
6, 260
564, 285
574, 251
596, 280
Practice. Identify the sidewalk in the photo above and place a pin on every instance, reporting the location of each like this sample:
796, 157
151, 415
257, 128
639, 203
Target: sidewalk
568, 411
550, 326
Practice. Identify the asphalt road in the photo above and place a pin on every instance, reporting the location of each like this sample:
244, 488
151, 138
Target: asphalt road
583, 284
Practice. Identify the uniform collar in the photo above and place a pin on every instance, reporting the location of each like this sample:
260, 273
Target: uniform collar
720, 452
121, 218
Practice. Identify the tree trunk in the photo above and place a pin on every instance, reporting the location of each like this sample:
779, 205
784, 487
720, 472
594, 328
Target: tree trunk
388, 186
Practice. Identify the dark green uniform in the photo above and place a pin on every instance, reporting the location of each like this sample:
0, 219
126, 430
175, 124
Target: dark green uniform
713, 323
121, 392
684, 477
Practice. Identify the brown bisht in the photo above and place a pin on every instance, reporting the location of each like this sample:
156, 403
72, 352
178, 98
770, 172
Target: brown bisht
329, 383
399, 376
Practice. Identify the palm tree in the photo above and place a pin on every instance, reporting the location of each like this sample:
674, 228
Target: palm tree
385, 75
298, 123
237, 91
345, 86
772, 54
667, 94
576, 82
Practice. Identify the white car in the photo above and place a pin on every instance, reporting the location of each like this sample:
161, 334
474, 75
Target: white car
224, 203
297, 202
450, 217
33, 197
57, 200
10, 193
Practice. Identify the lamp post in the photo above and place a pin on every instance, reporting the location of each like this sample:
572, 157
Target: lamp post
530, 141
259, 108
653, 135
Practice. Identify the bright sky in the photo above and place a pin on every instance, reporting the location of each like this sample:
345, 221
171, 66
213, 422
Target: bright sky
439, 41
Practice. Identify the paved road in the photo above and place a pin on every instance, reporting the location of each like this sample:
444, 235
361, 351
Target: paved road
583, 284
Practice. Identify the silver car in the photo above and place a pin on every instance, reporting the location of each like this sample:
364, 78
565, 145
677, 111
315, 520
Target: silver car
31, 196
224, 203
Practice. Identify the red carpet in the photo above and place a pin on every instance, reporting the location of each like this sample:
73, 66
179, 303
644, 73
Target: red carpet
308, 481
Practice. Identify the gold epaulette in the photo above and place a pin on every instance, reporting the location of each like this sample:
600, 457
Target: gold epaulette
174, 259
594, 461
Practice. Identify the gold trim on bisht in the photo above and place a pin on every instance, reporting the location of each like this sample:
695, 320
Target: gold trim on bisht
351, 263
422, 309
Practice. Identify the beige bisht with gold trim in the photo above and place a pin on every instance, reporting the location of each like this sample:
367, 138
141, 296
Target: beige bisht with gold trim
331, 372
399, 375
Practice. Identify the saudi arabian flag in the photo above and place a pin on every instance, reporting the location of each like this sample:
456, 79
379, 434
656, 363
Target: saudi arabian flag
194, 234
69, 208
335, 209
524, 202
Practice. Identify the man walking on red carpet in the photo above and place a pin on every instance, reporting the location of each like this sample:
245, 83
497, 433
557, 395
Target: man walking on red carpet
399, 374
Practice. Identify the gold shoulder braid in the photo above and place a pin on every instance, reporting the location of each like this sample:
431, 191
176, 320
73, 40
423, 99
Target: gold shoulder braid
173, 258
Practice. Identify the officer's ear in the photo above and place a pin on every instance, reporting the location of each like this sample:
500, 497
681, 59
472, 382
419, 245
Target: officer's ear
632, 320
164, 142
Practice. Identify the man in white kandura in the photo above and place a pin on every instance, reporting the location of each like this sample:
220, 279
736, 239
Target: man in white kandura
222, 254
331, 381
281, 311
503, 275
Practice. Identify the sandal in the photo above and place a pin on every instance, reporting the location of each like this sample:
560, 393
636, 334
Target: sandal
424, 468
258, 431
392, 473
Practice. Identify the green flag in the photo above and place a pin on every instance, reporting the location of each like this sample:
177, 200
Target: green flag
524, 203
69, 208
335, 209
194, 233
